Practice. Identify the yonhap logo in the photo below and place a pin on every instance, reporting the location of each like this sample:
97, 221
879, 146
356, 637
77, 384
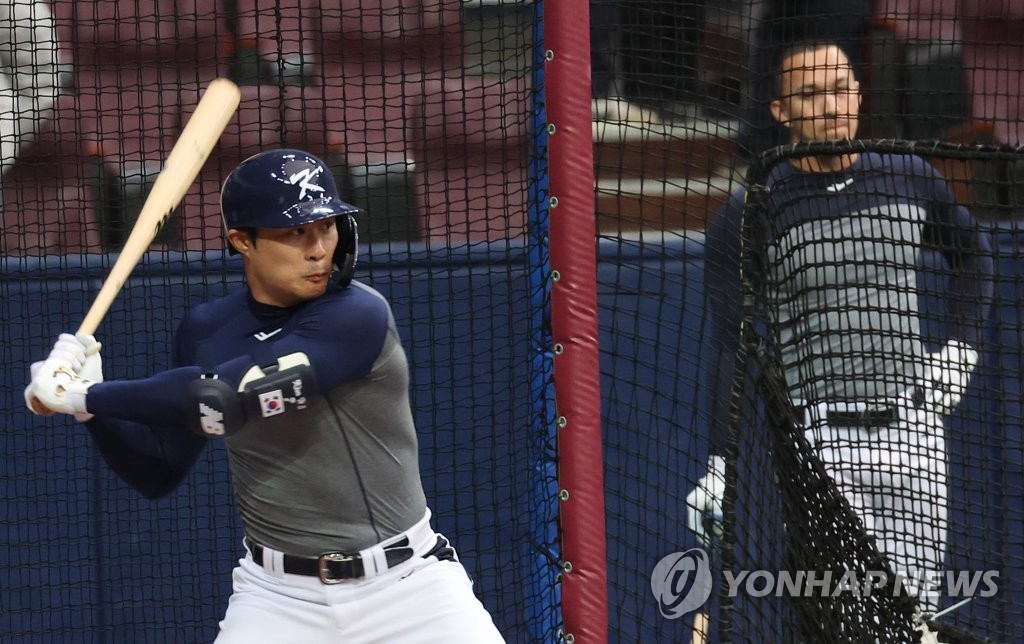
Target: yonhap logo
681, 582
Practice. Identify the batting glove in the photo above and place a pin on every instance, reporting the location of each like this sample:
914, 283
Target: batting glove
704, 503
947, 374
67, 352
59, 383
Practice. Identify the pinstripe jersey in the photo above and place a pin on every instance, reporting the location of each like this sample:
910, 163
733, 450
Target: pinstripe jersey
843, 250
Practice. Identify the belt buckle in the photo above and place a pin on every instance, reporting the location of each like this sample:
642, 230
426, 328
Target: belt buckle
880, 415
324, 566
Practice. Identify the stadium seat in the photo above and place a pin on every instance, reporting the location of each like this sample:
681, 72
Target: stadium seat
915, 81
132, 131
48, 205
200, 212
112, 41
993, 42
138, 121
334, 42
462, 118
258, 124
993, 52
269, 43
920, 21
359, 119
469, 142
424, 32
48, 209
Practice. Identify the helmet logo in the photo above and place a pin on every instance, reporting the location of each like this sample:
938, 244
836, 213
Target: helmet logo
303, 179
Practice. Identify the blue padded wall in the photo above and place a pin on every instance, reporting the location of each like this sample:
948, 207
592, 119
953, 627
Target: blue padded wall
160, 570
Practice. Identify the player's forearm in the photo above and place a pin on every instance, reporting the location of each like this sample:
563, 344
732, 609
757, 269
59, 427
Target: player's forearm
158, 400
153, 460
971, 291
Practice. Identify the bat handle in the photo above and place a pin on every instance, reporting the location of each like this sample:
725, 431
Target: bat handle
35, 405
700, 628
100, 306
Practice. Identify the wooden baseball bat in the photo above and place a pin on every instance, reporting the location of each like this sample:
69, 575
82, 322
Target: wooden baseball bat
701, 626
216, 107
190, 151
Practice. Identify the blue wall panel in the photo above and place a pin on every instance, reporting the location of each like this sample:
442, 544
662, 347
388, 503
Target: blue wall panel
143, 570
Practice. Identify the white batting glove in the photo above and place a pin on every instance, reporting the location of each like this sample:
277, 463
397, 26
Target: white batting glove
67, 352
92, 369
947, 374
59, 382
704, 503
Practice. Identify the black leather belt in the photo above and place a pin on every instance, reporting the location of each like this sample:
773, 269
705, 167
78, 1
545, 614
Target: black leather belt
334, 567
871, 417
876, 416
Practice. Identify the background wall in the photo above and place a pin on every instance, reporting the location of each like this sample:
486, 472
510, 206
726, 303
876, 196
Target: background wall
83, 558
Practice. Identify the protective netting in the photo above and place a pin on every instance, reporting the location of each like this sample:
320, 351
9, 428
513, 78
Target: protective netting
432, 116
685, 108
425, 120
854, 487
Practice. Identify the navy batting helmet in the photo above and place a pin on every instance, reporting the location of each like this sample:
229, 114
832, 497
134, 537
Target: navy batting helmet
284, 188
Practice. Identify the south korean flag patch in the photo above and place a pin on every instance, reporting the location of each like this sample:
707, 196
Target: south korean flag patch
278, 389
271, 403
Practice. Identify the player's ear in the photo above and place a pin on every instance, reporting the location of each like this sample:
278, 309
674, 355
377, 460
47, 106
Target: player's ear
239, 240
778, 112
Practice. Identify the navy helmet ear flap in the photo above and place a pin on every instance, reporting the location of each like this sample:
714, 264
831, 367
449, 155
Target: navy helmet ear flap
347, 251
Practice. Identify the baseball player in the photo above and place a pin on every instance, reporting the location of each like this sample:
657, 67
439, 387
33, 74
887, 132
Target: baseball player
843, 243
303, 376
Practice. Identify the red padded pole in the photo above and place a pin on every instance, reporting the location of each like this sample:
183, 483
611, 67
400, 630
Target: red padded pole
574, 319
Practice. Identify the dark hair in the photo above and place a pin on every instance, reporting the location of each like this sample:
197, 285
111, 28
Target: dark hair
248, 230
800, 47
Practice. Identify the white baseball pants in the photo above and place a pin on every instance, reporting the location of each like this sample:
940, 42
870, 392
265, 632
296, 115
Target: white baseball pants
894, 477
422, 600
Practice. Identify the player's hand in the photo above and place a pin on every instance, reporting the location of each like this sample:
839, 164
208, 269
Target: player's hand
30, 398
67, 352
74, 360
61, 390
92, 368
947, 375
704, 503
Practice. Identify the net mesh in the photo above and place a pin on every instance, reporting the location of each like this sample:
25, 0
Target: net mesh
424, 116
676, 132
845, 478
431, 116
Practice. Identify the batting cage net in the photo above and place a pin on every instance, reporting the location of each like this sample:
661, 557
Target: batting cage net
423, 110
805, 387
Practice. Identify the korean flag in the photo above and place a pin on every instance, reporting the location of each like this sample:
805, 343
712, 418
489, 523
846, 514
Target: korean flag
272, 403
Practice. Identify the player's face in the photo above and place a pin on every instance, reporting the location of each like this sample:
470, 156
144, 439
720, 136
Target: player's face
287, 266
820, 98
